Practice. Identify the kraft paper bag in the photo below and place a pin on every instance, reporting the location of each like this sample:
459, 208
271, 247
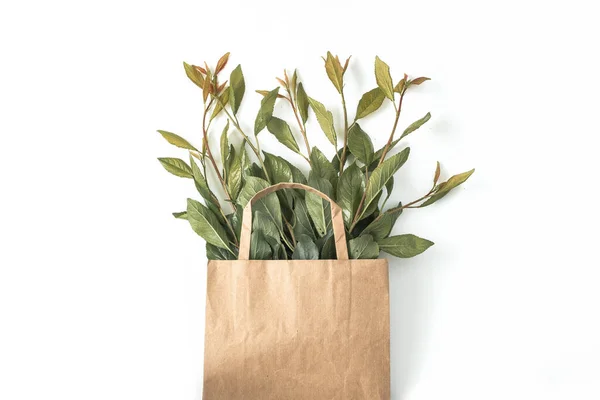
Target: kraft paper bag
297, 329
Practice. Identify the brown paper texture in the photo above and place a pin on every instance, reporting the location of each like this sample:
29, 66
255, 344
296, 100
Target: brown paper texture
297, 329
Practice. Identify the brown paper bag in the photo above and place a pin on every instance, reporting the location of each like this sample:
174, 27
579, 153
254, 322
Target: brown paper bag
297, 329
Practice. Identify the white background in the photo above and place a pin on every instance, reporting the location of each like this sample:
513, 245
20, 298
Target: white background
102, 291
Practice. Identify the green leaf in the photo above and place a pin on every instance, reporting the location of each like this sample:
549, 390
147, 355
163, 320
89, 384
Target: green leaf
328, 250
302, 100
337, 158
350, 190
266, 111
177, 167
383, 224
378, 153
262, 222
177, 140
180, 215
302, 225
206, 224
325, 119
281, 130
370, 102
316, 209
235, 219
363, 247
335, 71
321, 166
194, 75
279, 170
224, 143
404, 246
305, 249
234, 173
445, 187
259, 248
297, 175
389, 186
360, 144
237, 88
382, 174
384, 79
217, 253
221, 103
201, 184
268, 204
416, 125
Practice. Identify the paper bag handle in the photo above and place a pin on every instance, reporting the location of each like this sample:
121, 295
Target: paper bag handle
337, 219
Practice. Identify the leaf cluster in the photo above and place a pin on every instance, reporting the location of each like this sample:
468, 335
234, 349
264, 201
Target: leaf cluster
292, 224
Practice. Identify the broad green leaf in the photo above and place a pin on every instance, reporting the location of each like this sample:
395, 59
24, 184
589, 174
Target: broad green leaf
383, 224
206, 224
200, 182
360, 144
268, 204
321, 166
223, 100
378, 153
297, 175
302, 225
328, 250
235, 219
319, 212
350, 190
266, 111
305, 249
416, 125
371, 208
384, 79
277, 248
382, 174
281, 130
446, 187
337, 158
325, 119
404, 246
389, 186
224, 143
177, 140
279, 170
234, 173
180, 215
176, 166
370, 102
259, 248
194, 75
363, 247
302, 100
335, 71
262, 222
237, 88
255, 170
217, 253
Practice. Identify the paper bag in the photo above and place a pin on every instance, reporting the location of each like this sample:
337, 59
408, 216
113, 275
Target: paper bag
297, 329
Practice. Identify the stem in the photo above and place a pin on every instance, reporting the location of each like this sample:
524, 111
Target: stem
302, 129
389, 142
211, 158
236, 123
383, 154
343, 159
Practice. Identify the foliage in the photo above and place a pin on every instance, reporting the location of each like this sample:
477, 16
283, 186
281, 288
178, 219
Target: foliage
292, 224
